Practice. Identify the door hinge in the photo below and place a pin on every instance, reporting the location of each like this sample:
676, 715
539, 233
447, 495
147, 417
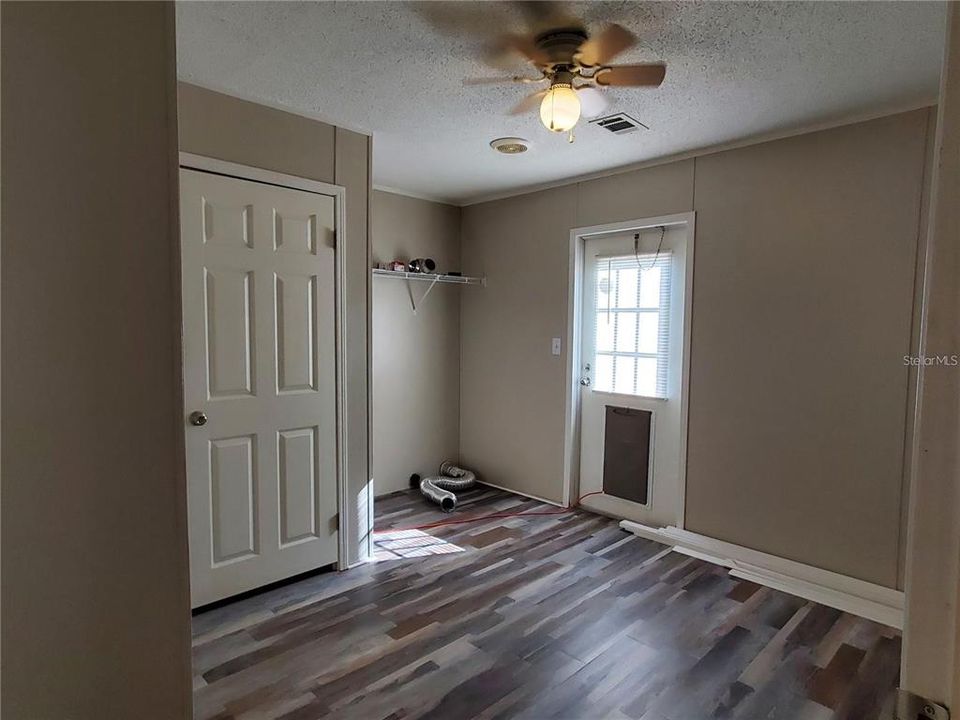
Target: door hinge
914, 707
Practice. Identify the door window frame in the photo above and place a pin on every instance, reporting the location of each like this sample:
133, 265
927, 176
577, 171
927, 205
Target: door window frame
572, 413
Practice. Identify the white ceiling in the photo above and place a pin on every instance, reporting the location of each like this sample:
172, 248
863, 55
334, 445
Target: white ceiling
734, 70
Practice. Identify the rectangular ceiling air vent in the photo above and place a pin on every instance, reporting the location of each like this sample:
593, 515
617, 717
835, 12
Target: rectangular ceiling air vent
619, 124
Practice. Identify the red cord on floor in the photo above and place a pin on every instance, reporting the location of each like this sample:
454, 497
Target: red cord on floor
494, 516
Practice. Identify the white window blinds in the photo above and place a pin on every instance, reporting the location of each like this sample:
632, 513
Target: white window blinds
633, 324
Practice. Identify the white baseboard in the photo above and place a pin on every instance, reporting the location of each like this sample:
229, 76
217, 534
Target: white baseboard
517, 492
865, 599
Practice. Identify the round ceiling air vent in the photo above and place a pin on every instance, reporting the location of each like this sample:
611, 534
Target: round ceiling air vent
510, 145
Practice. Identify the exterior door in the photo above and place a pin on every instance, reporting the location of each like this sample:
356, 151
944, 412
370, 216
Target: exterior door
259, 354
631, 374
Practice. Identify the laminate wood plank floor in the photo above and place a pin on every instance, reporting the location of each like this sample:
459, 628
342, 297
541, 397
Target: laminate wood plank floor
547, 616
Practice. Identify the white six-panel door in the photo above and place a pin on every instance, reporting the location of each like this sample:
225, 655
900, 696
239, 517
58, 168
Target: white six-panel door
259, 352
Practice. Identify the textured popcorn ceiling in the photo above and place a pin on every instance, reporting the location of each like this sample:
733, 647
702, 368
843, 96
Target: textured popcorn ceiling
734, 71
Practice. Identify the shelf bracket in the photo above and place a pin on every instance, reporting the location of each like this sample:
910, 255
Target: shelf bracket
423, 298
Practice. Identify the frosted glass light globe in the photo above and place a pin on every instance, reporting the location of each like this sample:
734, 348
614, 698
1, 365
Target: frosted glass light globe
560, 108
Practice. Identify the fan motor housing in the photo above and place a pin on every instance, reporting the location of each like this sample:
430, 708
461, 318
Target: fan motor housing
561, 45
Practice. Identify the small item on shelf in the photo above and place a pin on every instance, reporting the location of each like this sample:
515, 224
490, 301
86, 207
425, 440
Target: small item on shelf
455, 273
397, 266
422, 265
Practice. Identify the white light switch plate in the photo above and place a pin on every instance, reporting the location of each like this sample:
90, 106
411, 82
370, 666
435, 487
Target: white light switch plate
555, 346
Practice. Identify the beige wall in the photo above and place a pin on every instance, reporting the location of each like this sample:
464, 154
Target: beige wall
95, 600
416, 357
803, 299
511, 387
802, 309
227, 128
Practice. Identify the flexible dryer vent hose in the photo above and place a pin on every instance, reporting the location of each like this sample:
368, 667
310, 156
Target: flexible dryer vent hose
440, 488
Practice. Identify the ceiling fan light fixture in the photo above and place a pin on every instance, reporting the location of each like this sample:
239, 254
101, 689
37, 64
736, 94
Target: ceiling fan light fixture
560, 108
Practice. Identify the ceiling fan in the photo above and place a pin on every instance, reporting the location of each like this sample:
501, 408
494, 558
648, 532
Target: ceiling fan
576, 65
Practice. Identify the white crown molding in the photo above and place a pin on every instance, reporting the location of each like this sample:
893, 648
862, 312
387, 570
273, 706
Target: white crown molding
865, 599
706, 150
414, 195
561, 182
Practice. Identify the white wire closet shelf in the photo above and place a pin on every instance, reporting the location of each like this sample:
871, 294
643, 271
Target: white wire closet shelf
432, 278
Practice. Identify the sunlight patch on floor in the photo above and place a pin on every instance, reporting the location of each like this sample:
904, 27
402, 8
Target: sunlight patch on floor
399, 544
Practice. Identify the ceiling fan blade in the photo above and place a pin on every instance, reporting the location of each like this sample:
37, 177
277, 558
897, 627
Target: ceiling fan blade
593, 102
650, 75
495, 80
542, 15
463, 18
509, 48
530, 102
601, 48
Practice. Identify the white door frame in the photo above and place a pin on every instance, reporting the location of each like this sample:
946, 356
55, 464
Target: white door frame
338, 193
571, 439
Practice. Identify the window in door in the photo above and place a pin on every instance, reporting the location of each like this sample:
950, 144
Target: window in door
633, 324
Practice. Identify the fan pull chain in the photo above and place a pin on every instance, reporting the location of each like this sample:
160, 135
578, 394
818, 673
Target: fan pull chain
636, 250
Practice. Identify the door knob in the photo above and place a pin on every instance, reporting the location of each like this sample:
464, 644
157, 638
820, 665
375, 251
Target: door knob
585, 381
198, 418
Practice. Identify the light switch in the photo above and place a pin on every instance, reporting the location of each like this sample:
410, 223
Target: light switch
555, 346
